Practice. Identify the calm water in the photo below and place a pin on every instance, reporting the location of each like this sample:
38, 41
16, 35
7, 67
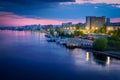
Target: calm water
28, 56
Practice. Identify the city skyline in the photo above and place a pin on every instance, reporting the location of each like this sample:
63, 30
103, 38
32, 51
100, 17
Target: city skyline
44, 12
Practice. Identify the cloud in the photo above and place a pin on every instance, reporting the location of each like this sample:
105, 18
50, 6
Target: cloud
10, 19
118, 6
99, 1
95, 7
30, 2
92, 2
19, 5
115, 20
23, 7
57, 10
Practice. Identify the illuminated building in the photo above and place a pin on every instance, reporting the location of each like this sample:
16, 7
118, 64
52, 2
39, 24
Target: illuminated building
93, 22
113, 26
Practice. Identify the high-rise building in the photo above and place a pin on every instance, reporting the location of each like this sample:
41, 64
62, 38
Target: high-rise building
93, 22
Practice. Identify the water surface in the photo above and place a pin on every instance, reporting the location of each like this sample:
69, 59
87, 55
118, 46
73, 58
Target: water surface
26, 55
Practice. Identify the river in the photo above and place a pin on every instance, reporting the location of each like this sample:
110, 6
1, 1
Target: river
26, 55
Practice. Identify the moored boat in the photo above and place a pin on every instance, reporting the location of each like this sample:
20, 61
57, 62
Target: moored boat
51, 39
71, 45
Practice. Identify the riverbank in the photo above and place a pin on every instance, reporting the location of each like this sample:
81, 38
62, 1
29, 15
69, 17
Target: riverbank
84, 44
107, 53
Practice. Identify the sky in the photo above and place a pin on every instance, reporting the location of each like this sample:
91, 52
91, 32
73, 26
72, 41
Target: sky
44, 12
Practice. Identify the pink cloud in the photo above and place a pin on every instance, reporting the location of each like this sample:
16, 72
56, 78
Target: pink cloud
74, 21
92, 1
118, 6
99, 1
10, 19
115, 20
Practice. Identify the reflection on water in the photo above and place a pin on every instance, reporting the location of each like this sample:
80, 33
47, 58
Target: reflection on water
28, 51
82, 57
87, 56
101, 59
108, 60
37, 39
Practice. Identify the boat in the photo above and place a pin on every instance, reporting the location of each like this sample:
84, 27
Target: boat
71, 45
87, 45
63, 41
51, 39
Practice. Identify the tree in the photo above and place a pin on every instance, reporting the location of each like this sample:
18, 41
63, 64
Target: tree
51, 32
78, 33
114, 40
100, 44
103, 29
77, 27
115, 35
97, 31
61, 34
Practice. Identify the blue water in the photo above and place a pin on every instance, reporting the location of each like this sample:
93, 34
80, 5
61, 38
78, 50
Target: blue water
26, 55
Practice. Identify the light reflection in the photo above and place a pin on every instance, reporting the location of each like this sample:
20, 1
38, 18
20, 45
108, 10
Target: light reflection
16, 33
87, 56
108, 60
75, 52
68, 50
78, 56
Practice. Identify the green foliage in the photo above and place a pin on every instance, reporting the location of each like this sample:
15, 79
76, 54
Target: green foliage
77, 27
101, 30
51, 32
114, 40
57, 29
115, 35
62, 34
97, 31
114, 43
100, 44
78, 33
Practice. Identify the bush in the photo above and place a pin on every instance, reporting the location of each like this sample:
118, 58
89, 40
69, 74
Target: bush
114, 43
100, 44
116, 38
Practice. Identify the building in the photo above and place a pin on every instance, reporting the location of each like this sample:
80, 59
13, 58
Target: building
81, 25
107, 20
113, 26
93, 23
67, 24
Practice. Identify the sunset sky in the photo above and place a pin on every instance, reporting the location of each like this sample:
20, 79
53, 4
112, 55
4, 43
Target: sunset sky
27, 12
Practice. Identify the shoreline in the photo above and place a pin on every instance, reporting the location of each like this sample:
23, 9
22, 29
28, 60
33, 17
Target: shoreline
110, 53
106, 53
